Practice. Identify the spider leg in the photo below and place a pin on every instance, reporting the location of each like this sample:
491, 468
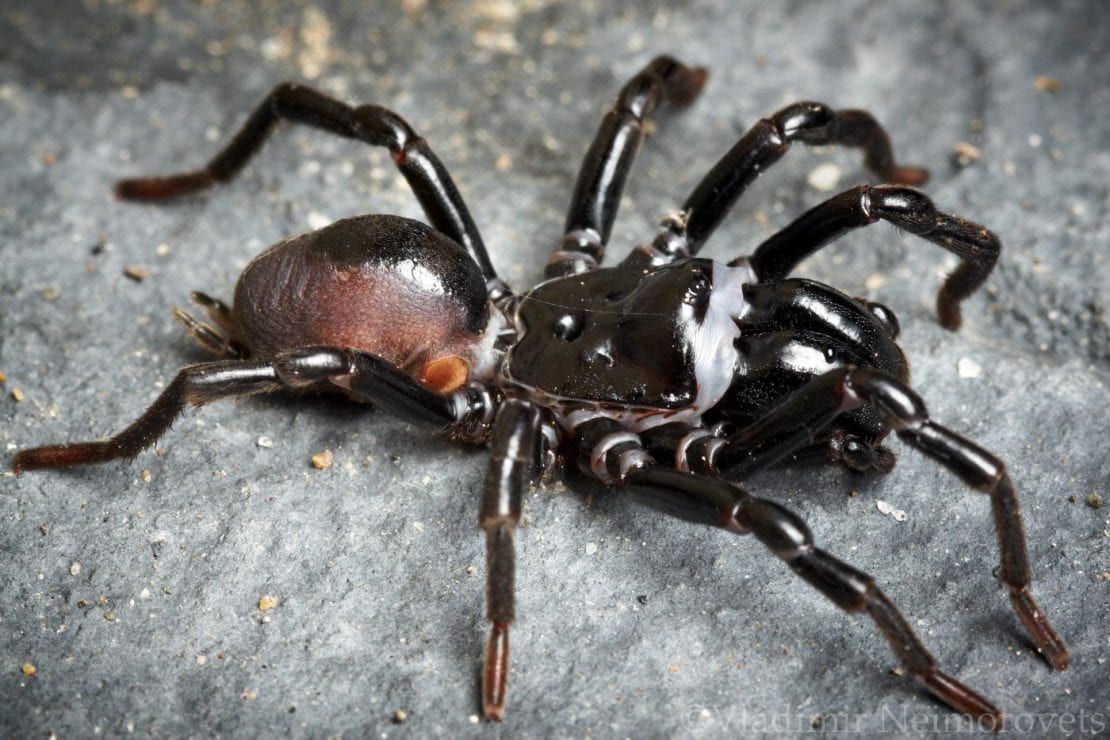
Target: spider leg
601, 179
907, 209
366, 376
516, 457
763, 145
616, 460
425, 173
794, 423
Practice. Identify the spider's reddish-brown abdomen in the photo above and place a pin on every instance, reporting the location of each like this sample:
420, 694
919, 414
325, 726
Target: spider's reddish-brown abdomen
381, 284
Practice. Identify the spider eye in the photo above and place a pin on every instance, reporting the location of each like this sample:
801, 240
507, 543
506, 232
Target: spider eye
568, 327
886, 317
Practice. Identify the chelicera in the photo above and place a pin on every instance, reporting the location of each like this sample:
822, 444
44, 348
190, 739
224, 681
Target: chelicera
667, 376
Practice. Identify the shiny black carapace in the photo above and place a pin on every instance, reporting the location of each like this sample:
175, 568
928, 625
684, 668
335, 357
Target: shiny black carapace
667, 375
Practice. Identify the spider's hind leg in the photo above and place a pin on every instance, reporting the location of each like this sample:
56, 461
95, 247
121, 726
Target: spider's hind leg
366, 376
414, 159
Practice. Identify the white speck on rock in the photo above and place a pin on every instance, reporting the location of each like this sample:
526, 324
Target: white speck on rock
825, 177
968, 368
265, 442
896, 514
591, 548
317, 220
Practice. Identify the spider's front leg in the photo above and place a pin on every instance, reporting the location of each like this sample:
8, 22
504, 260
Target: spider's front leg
976, 246
616, 458
366, 376
814, 406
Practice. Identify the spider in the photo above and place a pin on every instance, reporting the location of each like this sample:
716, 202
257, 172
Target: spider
667, 376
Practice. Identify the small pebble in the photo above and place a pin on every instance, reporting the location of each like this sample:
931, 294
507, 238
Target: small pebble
968, 368
897, 514
322, 460
1048, 84
970, 151
400, 716
875, 281
1094, 500
825, 177
317, 220
17, 395
29, 669
268, 602
75, 569
265, 442
136, 273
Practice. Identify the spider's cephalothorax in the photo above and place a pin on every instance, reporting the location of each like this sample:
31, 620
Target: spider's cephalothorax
668, 375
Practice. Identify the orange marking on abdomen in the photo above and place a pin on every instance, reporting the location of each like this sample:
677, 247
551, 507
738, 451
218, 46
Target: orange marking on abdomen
445, 374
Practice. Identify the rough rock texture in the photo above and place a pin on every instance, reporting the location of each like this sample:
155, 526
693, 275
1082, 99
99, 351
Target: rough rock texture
134, 590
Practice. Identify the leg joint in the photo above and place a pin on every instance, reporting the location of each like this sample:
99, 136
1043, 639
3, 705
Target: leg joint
808, 122
781, 530
904, 207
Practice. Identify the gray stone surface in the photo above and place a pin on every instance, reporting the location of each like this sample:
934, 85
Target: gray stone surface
135, 594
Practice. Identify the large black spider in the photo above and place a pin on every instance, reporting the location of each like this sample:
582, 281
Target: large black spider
667, 376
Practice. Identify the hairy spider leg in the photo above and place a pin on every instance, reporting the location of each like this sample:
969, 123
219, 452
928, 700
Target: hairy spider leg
762, 146
604, 170
906, 208
366, 376
811, 408
425, 173
516, 452
718, 503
